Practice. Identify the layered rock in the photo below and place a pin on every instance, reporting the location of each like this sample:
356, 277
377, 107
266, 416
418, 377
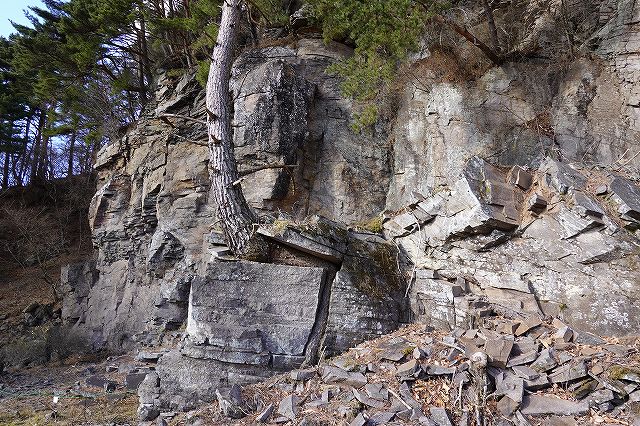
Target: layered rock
472, 173
152, 218
247, 320
574, 107
537, 242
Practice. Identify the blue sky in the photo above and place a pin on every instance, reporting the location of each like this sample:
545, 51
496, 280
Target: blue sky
13, 9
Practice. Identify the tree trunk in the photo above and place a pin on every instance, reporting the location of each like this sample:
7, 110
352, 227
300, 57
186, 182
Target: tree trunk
5, 171
45, 158
72, 145
7, 157
489, 53
22, 159
35, 152
236, 217
145, 49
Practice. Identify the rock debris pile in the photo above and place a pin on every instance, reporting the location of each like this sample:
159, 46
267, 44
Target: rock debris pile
521, 371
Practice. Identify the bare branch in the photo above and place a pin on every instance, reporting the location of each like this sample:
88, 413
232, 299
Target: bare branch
489, 53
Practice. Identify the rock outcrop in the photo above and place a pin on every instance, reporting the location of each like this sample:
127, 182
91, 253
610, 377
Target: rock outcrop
498, 191
540, 242
152, 220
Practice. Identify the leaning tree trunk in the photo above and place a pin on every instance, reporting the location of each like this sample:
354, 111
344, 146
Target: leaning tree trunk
237, 219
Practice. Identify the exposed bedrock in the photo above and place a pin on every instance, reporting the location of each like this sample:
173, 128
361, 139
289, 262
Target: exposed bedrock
515, 189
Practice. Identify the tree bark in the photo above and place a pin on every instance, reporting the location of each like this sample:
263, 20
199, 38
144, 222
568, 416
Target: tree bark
35, 152
45, 158
72, 145
493, 30
237, 219
21, 161
7, 158
146, 63
5, 171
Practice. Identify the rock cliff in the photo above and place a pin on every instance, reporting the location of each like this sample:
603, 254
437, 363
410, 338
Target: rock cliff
514, 185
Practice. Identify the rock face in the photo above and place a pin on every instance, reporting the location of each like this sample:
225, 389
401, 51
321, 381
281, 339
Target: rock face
247, 321
485, 240
282, 300
500, 188
152, 218
524, 110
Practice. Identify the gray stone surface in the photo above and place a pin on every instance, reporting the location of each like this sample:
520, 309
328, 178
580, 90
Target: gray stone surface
334, 375
264, 416
367, 295
568, 372
440, 416
256, 311
318, 237
288, 407
627, 195
536, 405
231, 403
572, 242
542, 239
498, 351
76, 282
152, 215
367, 400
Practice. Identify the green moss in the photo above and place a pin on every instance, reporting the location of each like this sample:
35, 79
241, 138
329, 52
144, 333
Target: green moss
324, 229
279, 226
408, 350
176, 72
585, 389
375, 270
619, 372
372, 225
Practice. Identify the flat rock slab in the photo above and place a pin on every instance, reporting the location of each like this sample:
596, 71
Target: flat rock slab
264, 416
568, 372
303, 375
440, 416
377, 391
289, 407
627, 195
538, 405
305, 243
498, 351
396, 349
151, 357
96, 380
367, 400
381, 418
512, 387
248, 308
545, 361
335, 375
438, 370
133, 380
409, 368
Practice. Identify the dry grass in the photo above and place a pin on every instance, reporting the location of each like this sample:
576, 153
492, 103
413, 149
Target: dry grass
27, 397
35, 410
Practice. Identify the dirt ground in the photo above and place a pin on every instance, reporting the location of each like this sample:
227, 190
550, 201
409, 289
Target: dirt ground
60, 395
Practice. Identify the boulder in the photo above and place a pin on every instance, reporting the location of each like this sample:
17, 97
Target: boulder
258, 312
367, 296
